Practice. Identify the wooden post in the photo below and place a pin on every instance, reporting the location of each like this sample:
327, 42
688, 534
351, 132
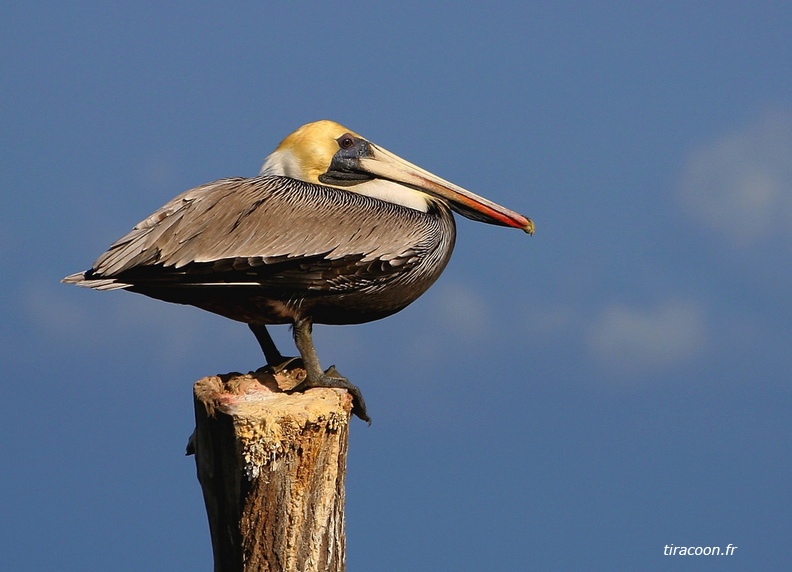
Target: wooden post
272, 467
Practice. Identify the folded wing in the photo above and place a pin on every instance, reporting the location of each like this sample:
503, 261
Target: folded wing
267, 231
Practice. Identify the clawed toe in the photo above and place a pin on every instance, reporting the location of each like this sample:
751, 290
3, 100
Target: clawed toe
331, 378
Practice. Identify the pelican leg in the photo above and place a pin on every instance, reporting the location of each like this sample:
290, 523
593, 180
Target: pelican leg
275, 360
318, 378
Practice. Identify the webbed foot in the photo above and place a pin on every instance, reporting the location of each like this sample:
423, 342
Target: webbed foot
331, 378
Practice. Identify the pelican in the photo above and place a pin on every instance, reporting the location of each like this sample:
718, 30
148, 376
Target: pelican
334, 230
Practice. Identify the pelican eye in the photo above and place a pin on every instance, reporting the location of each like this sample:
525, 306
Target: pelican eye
346, 141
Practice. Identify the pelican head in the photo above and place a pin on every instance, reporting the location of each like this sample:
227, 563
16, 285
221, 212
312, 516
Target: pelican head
326, 153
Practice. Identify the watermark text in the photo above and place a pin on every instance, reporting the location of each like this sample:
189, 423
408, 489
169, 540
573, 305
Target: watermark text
671, 550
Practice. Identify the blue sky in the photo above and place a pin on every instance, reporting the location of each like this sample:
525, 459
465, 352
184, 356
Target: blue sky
576, 400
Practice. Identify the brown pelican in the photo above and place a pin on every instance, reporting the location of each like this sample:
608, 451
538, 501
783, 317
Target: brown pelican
334, 230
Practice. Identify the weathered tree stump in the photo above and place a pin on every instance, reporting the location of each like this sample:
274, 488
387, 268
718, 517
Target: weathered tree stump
272, 468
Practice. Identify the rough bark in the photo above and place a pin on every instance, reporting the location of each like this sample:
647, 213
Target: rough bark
272, 467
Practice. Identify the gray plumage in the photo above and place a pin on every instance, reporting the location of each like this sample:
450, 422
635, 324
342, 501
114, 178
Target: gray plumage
271, 249
281, 248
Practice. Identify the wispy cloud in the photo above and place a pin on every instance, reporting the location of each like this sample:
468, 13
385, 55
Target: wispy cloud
174, 332
635, 339
740, 184
457, 316
463, 312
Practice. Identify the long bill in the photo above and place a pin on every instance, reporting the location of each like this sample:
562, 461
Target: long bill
385, 164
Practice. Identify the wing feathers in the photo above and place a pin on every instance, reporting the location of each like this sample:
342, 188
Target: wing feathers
269, 229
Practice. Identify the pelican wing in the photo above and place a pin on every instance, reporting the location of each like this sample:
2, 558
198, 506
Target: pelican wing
267, 230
